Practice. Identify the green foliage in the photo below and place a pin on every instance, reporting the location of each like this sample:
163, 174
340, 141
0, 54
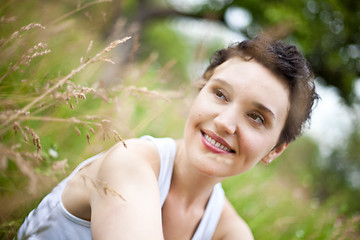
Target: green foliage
326, 31
340, 173
173, 46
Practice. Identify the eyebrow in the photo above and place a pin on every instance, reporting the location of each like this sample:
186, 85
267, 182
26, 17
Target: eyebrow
264, 108
221, 81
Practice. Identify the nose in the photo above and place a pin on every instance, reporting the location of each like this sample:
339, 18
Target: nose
226, 121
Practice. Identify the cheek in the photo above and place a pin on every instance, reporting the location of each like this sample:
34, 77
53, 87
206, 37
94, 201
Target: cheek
193, 120
255, 145
197, 111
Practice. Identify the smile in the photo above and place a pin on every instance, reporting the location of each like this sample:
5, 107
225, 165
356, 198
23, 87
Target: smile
215, 146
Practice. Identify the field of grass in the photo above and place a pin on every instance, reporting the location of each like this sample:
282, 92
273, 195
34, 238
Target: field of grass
56, 110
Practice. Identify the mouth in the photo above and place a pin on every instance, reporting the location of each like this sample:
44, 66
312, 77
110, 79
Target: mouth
215, 143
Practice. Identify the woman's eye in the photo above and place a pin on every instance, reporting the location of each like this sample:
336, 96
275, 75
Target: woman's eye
219, 94
257, 118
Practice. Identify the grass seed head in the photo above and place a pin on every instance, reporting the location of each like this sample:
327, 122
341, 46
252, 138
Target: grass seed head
88, 137
77, 131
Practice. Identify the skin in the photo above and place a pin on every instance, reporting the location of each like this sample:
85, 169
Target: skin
243, 106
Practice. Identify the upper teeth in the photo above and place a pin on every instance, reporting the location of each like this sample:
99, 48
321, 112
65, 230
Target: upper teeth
216, 144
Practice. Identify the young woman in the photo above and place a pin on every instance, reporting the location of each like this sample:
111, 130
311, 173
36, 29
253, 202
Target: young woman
255, 99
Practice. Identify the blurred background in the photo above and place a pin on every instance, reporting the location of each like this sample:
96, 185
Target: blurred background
63, 99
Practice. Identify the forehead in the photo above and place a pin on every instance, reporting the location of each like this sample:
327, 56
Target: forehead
236, 69
246, 66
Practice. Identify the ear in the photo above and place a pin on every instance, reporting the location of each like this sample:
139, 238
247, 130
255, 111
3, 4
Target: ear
277, 151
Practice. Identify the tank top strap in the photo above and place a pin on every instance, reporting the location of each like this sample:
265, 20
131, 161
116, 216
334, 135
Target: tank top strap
167, 150
211, 215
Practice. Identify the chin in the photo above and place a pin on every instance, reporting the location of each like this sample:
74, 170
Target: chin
212, 165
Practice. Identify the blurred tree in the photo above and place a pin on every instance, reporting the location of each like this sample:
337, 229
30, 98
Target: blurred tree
340, 173
333, 179
328, 32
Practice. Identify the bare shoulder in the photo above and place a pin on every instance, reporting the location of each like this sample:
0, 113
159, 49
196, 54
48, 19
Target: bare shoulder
139, 153
111, 169
126, 168
129, 197
231, 225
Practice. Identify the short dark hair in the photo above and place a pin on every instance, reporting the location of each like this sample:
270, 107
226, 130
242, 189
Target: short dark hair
286, 62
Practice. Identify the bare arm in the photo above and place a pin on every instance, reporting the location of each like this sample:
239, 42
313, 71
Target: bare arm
231, 226
136, 214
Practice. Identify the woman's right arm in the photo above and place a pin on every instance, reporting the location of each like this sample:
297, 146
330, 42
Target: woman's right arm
126, 203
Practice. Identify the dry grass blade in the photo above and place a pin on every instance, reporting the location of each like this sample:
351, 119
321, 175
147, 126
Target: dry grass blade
60, 166
3, 162
118, 138
79, 8
88, 137
17, 127
101, 186
62, 81
52, 119
144, 90
25, 59
91, 129
24, 167
4, 19
35, 137
77, 131
89, 47
16, 34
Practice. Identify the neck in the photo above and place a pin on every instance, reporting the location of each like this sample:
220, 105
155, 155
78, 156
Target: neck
187, 182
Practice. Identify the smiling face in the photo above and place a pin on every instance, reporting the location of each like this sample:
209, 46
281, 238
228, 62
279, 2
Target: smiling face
236, 119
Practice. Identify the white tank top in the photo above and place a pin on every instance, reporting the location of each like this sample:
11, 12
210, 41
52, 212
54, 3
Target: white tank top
50, 220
